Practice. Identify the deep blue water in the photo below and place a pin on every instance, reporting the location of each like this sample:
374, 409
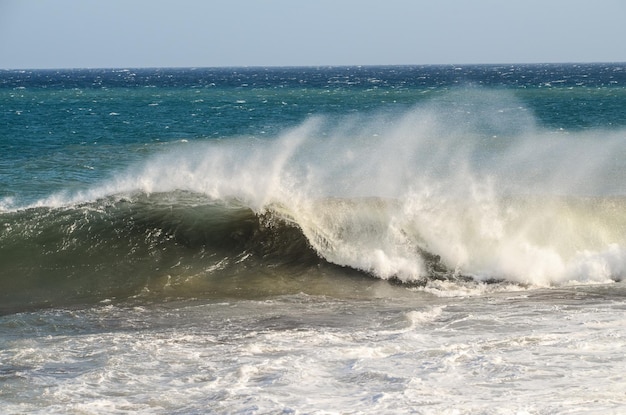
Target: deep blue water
68, 128
73, 127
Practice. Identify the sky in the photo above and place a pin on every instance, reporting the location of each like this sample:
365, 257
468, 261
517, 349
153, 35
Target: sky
38, 34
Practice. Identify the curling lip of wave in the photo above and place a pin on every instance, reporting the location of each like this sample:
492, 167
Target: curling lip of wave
491, 201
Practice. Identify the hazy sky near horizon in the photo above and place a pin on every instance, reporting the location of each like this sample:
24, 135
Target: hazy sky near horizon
208, 33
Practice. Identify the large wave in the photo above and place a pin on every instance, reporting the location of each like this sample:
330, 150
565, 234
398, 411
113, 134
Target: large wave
456, 188
164, 245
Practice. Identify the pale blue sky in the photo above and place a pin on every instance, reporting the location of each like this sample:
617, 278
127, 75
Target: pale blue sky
206, 33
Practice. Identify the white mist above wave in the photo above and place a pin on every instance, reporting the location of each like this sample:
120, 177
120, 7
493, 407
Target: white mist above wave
477, 184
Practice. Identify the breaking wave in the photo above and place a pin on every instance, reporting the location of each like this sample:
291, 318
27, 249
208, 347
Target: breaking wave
472, 191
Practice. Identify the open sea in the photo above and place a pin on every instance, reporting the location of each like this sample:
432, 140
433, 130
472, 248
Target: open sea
333, 240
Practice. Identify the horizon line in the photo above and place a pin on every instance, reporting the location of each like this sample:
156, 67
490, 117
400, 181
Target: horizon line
120, 68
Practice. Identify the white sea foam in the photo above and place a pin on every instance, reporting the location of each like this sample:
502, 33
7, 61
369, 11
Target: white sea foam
546, 353
7, 203
423, 317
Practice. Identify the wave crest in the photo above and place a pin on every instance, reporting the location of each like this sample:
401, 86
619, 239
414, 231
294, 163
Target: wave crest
448, 189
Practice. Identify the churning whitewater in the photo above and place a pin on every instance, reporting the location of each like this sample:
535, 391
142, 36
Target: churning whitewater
364, 240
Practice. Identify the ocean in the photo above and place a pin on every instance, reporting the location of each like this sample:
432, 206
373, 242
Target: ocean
333, 240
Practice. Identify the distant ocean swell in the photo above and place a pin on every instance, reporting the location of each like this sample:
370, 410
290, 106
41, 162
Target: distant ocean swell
479, 192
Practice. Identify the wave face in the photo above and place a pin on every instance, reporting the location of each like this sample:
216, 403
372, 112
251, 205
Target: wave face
172, 244
479, 192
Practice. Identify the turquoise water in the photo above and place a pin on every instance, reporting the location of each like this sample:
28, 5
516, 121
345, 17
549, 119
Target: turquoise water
66, 129
394, 239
